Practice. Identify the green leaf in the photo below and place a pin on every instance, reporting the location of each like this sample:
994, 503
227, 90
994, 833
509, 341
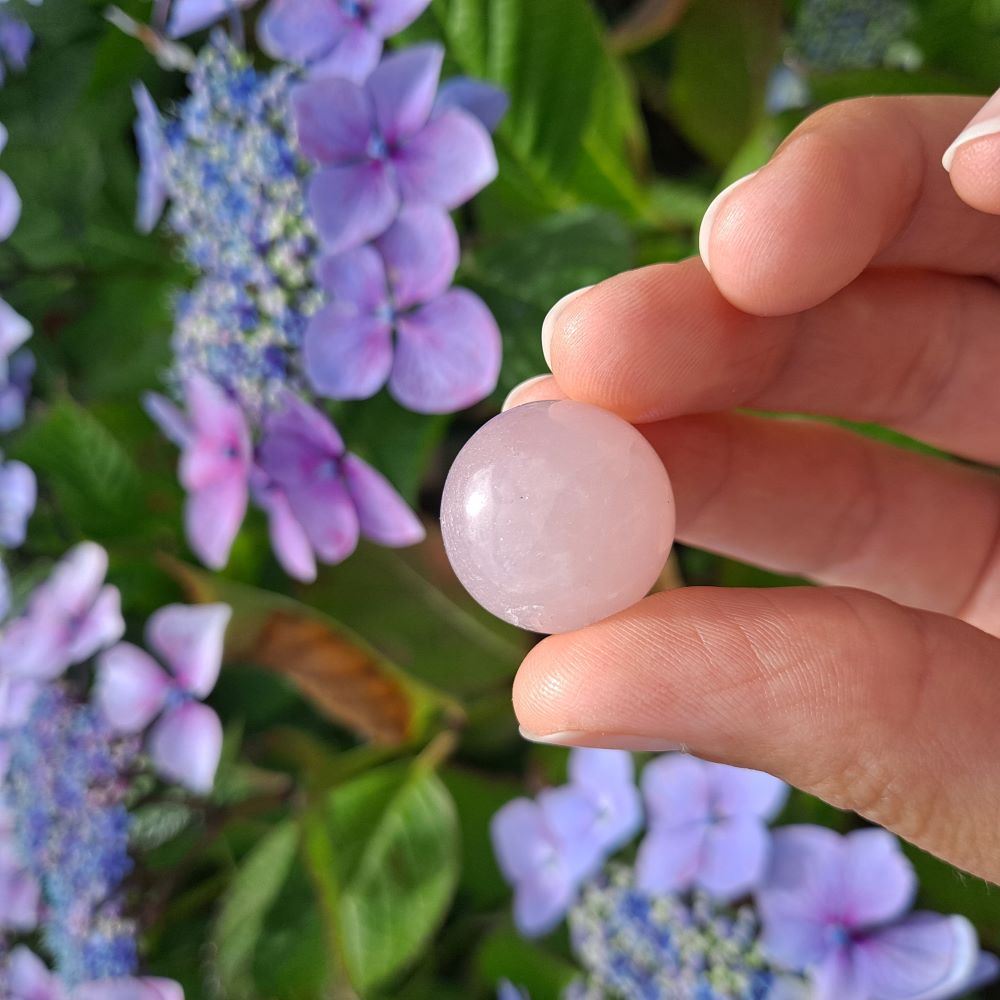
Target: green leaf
97, 485
725, 53
252, 892
154, 824
522, 273
506, 955
383, 851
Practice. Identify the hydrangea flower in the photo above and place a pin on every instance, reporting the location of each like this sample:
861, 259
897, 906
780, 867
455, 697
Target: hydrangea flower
152, 161
19, 890
18, 492
394, 318
838, 907
15, 43
214, 466
547, 848
65, 788
10, 200
320, 498
14, 331
707, 826
481, 99
506, 990
377, 146
850, 34
15, 389
28, 978
341, 38
132, 690
68, 618
189, 16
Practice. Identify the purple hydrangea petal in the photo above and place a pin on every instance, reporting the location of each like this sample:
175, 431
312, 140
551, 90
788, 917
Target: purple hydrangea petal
324, 509
347, 355
482, 100
219, 449
19, 890
402, 90
17, 698
100, 627
389, 17
986, 971
383, 515
735, 857
738, 791
186, 745
446, 162
608, 778
600, 769
571, 817
333, 121
146, 988
212, 519
670, 860
28, 978
297, 419
168, 418
541, 903
300, 31
16, 38
152, 152
522, 842
795, 942
836, 978
927, 956
351, 205
189, 16
353, 58
421, 252
447, 354
10, 206
289, 540
357, 277
878, 882
4, 134
676, 790
14, 330
190, 640
18, 492
131, 687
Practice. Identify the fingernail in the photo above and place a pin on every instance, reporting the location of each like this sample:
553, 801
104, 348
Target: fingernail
604, 741
521, 385
709, 218
986, 122
549, 323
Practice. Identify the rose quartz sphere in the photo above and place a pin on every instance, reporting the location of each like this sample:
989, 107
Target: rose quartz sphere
557, 514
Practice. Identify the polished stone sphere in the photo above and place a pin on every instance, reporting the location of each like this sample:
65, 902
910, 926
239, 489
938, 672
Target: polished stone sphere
557, 514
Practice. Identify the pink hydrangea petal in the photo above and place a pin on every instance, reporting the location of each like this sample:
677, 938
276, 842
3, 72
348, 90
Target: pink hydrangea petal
186, 745
347, 355
351, 205
212, 518
131, 687
447, 162
75, 581
402, 90
326, 513
421, 252
332, 120
190, 639
102, 626
447, 354
383, 515
289, 540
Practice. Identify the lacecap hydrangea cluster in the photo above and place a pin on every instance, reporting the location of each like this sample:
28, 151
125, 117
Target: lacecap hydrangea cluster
716, 905
312, 201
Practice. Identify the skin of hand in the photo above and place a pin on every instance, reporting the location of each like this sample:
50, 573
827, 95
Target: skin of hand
851, 277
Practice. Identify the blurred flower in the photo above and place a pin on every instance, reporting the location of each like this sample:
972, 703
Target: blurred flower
152, 161
237, 202
68, 618
506, 990
319, 497
10, 200
707, 826
787, 88
341, 38
132, 690
850, 34
15, 44
19, 890
394, 318
189, 16
66, 784
14, 391
633, 944
377, 147
14, 331
18, 492
214, 466
838, 908
483, 100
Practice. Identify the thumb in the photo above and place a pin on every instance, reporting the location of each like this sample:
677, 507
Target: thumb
973, 159
870, 705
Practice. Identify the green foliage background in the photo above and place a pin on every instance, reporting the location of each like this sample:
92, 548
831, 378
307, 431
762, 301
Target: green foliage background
324, 865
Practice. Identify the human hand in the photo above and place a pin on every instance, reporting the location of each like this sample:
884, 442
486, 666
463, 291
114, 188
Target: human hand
851, 277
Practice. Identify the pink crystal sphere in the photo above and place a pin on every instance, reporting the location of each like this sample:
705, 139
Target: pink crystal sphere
557, 514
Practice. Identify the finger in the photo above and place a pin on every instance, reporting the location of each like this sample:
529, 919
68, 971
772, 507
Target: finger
533, 390
916, 351
858, 182
818, 501
973, 159
869, 705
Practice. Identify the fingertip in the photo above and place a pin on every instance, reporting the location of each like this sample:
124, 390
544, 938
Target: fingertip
532, 390
711, 213
972, 162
